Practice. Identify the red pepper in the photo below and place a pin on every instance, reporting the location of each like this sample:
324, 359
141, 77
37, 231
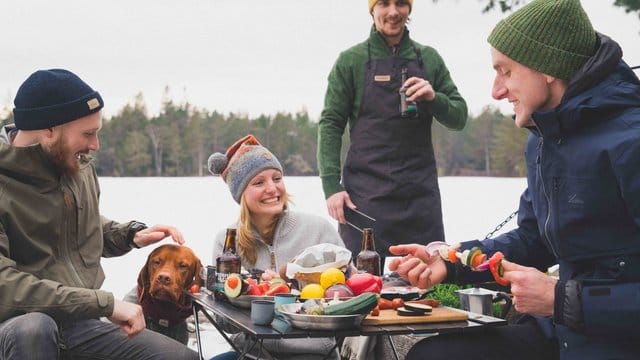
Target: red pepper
280, 288
255, 290
364, 282
495, 265
263, 286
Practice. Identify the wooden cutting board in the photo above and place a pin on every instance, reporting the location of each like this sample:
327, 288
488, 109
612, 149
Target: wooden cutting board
439, 314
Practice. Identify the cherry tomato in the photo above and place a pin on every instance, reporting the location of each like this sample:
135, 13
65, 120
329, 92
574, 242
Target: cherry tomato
451, 255
194, 289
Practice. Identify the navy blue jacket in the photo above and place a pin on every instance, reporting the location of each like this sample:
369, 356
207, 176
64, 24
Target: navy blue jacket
581, 209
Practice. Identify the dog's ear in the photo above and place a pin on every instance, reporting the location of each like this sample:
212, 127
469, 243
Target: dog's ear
197, 276
144, 278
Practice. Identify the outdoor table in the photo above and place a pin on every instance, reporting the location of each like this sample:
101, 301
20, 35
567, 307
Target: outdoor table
280, 329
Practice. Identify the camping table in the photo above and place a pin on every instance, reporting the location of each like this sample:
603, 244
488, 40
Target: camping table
279, 329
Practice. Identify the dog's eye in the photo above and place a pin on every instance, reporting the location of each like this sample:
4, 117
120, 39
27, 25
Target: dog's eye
184, 265
155, 261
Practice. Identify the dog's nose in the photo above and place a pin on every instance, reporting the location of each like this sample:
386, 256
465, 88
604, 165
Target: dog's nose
164, 278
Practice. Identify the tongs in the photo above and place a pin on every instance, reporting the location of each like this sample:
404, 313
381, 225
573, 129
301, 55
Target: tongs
361, 214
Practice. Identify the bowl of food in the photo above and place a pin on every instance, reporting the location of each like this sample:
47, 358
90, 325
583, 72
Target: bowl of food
294, 314
244, 301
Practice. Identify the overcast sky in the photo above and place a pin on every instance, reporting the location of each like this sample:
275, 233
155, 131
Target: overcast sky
250, 56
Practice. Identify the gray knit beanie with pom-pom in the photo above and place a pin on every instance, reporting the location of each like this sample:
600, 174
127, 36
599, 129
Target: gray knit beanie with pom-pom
243, 160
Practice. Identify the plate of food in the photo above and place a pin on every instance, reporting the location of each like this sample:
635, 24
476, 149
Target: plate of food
406, 293
293, 314
244, 301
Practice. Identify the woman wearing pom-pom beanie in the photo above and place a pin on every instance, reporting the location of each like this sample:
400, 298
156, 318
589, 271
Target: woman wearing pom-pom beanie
269, 233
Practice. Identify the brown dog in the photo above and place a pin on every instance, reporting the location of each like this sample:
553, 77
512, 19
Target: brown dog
169, 272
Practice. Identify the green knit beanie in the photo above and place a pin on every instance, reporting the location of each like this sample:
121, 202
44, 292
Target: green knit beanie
554, 37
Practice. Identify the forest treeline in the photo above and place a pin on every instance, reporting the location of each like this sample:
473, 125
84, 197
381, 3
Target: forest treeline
179, 140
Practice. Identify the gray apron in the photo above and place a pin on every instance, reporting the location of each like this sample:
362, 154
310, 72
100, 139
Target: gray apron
390, 171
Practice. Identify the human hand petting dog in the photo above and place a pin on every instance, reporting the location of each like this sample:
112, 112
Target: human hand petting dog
156, 233
128, 316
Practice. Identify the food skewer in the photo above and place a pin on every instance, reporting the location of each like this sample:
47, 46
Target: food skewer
473, 258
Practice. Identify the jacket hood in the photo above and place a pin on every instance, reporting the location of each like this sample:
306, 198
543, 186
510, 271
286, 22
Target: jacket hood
29, 165
604, 85
597, 68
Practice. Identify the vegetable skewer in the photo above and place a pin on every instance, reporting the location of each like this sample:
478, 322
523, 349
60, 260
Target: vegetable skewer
473, 258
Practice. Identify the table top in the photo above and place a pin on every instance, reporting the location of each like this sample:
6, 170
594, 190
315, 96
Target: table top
241, 318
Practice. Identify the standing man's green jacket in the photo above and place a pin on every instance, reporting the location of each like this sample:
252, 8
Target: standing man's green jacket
343, 98
390, 171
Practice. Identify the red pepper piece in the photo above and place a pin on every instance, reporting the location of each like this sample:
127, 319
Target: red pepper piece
263, 286
364, 282
254, 290
495, 265
277, 289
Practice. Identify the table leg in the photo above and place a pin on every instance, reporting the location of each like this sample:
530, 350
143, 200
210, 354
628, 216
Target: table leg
248, 351
336, 346
215, 324
198, 341
393, 346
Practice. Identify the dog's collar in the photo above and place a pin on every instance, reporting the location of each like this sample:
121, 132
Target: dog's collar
164, 313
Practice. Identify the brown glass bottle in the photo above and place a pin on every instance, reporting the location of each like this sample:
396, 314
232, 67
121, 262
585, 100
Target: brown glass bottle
227, 263
368, 259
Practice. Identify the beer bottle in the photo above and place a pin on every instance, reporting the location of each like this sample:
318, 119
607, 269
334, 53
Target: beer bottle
227, 263
368, 259
407, 108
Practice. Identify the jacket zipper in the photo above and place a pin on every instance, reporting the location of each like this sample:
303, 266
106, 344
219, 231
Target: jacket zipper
64, 247
546, 196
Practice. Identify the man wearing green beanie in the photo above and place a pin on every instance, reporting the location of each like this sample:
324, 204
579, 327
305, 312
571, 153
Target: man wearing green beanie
390, 172
580, 102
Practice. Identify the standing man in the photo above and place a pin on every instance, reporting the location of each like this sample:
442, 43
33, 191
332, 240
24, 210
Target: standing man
581, 102
52, 235
390, 172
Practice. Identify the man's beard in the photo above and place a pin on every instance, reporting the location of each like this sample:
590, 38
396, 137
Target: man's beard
61, 157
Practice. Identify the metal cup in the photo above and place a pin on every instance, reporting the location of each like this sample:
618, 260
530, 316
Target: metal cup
262, 312
281, 299
480, 300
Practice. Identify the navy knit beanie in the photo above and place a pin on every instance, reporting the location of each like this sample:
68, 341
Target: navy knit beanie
53, 97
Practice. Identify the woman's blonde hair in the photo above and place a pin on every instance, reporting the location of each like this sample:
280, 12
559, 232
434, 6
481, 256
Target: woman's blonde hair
246, 239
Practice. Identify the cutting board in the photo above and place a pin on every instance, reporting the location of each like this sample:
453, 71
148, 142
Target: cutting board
439, 314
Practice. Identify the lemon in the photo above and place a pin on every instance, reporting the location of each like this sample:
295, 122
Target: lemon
312, 291
330, 277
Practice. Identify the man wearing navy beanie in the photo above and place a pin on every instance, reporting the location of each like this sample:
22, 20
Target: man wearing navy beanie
52, 235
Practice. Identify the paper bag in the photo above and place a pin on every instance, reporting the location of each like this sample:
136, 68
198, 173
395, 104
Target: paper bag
307, 266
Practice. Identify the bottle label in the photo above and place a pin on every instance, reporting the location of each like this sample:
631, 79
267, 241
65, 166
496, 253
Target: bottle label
210, 277
220, 280
369, 261
222, 273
